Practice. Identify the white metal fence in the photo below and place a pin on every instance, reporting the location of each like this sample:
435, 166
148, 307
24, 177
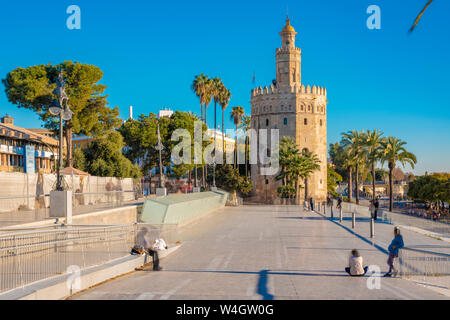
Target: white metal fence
33, 255
416, 261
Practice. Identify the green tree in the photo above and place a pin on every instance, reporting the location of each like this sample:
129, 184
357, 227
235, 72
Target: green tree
295, 165
373, 145
393, 151
236, 116
104, 158
333, 179
246, 125
32, 88
224, 100
230, 180
353, 143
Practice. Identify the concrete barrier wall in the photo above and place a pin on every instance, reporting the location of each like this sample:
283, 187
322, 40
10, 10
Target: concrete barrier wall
183, 208
24, 188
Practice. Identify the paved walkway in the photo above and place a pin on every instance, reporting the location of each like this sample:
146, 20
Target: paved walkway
268, 252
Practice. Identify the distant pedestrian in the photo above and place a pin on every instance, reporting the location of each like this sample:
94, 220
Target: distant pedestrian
339, 202
394, 248
305, 205
376, 205
355, 263
372, 209
311, 203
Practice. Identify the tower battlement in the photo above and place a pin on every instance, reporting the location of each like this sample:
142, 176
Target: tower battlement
272, 90
288, 50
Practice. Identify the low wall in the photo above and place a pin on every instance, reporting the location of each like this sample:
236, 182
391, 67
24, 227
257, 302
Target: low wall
182, 208
122, 215
21, 190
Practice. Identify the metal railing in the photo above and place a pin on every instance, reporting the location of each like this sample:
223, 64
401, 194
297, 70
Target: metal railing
415, 261
34, 255
412, 221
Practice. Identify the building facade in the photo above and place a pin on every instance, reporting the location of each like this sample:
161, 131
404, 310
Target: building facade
297, 111
25, 151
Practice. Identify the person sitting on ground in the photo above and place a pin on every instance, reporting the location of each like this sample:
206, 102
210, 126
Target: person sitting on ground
394, 248
355, 262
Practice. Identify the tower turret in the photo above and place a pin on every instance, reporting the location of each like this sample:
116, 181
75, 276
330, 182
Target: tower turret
288, 58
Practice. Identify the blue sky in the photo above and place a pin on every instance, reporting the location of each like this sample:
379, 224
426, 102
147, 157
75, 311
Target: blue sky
150, 52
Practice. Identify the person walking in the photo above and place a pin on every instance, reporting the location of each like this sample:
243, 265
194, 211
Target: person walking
394, 248
311, 203
372, 209
376, 205
339, 202
355, 268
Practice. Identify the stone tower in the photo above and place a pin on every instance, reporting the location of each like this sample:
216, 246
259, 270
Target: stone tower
297, 111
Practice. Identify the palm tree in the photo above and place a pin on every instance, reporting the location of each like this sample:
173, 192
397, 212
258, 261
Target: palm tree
246, 125
353, 143
416, 21
224, 100
216, 89
236, 116
287, 150
373, 145
295, 165
392, 151
199, 86
308, 164
209, 90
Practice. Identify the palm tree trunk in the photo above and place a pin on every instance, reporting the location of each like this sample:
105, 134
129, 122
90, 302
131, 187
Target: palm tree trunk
391, 183
306, 188
235, 149
350, 184
201, 108
373, 181
223, 137
246, 158
357, 183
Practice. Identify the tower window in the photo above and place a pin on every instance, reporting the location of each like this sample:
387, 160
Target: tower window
267, 122
321, 122
285, 121
305, 121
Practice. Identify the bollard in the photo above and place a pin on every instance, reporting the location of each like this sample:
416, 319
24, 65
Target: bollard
324, 208
332, 212
353, 219
340, 214
372, 228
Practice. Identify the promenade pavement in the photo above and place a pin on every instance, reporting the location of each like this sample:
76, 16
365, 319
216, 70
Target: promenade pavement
269, 252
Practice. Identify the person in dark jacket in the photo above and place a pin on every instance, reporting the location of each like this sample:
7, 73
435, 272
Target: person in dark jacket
376, 205
394, 248
311, 203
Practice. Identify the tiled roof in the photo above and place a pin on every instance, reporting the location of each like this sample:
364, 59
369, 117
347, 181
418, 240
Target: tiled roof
26, 134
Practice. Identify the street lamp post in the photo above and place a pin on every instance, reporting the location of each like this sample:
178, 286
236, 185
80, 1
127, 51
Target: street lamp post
161, 191
61, 108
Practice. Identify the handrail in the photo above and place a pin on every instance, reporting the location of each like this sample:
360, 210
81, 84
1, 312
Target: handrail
427, 252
